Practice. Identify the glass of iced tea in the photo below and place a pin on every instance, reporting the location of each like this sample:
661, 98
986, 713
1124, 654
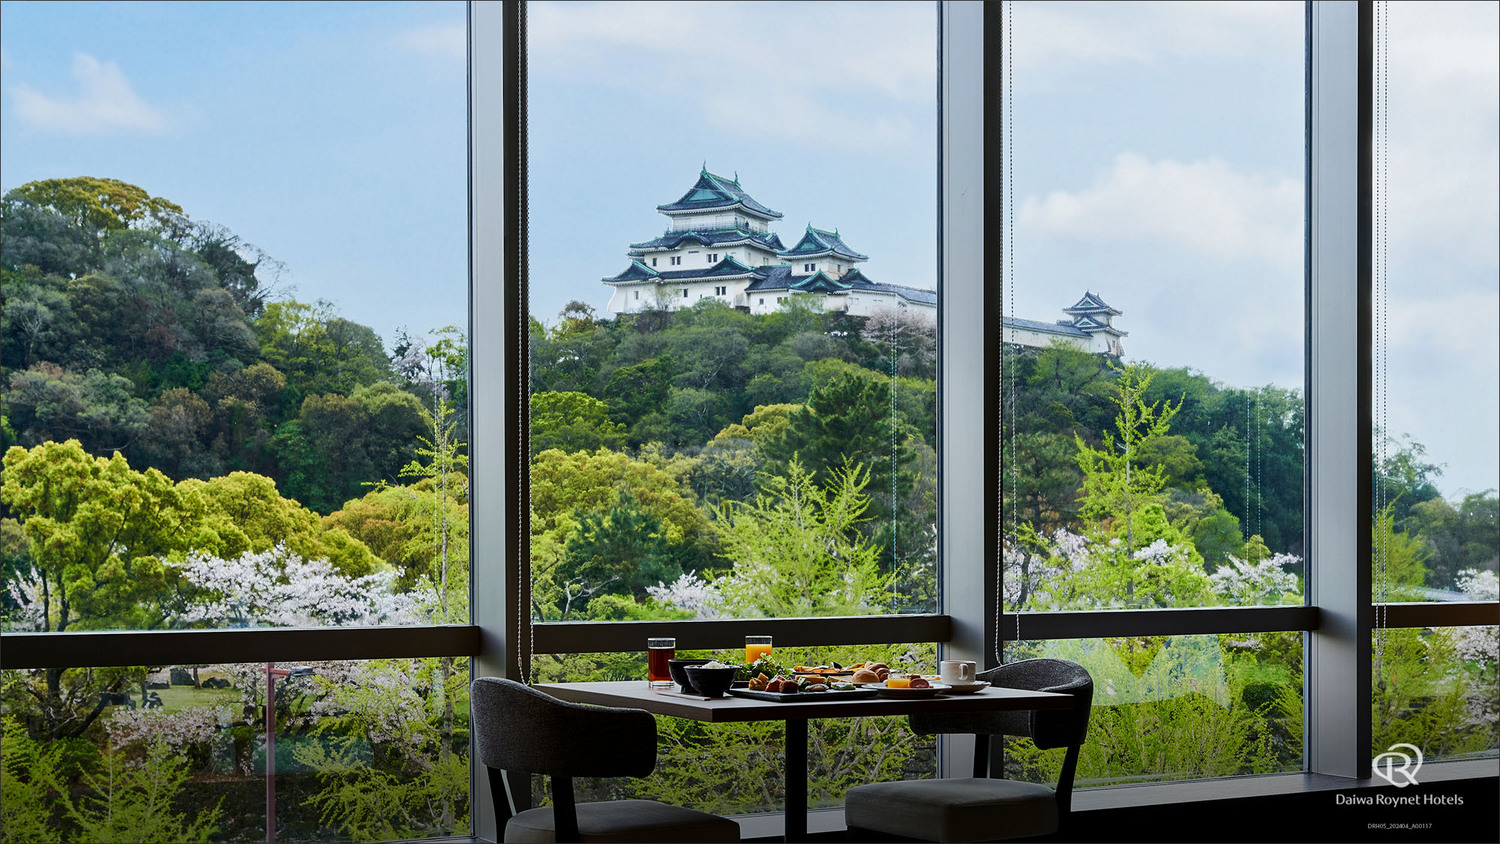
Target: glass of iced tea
658, 653
757, 647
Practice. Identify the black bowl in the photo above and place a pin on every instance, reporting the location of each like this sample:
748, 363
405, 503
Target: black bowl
680, 677
711, 682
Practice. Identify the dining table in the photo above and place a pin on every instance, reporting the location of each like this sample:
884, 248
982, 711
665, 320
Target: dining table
637, 694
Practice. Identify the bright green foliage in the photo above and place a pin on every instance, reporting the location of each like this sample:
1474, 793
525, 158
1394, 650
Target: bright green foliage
133, 804
796, 549
243, 511
1117, 486
1420, 695
766, 425
30, 780
566, 488
99, 534
441, 533
318, 351
94, 203
1399, 559
409, 713
572, 422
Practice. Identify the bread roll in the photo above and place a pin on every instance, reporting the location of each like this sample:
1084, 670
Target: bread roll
864, 675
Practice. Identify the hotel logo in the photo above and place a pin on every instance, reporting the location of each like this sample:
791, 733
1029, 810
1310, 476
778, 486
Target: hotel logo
1397, 767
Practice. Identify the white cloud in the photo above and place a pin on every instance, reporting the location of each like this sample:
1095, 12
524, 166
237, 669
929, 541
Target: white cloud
1444, 101
830, 74
1457, 327
448, 41
104, 103
1206, 206
1056, 35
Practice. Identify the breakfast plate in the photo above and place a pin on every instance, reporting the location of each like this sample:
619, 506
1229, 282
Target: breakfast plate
909, 693
798, 697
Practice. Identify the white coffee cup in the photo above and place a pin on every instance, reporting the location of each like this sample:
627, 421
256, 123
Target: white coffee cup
956, 671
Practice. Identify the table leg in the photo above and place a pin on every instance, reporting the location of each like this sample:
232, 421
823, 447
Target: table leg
796, 780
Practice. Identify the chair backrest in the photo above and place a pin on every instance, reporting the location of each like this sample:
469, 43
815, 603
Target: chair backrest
518, 728
1045, 727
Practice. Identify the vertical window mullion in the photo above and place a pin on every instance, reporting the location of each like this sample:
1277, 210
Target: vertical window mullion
1338, 672
492, 409
965, 328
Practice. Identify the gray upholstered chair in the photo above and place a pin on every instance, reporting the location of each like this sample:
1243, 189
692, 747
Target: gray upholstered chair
523, 731
979, 808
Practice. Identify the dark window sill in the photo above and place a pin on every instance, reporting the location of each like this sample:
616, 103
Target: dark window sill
1272, 807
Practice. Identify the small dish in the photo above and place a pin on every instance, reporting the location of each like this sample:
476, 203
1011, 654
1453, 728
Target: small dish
966, 688
887, 691
710, 682
678, 669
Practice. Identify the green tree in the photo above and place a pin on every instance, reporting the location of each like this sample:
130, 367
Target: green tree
318, 351
797, 550
98, 204
48, 403
31, 771
620, 550
134, 804
572, 422
567, 487
99, 534
1117, 487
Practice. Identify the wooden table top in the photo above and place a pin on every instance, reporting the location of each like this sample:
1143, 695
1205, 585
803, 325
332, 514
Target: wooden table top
635, 694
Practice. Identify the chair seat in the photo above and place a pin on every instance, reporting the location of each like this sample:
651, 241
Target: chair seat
953, 809
625, 821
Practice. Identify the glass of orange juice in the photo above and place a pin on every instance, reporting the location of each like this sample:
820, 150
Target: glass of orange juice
757, 647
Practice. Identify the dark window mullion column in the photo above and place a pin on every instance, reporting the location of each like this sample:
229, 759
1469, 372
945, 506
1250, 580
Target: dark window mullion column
492, 110
1338, 672
967, 439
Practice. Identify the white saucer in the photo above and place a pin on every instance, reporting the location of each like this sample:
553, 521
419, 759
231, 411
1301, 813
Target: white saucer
965, 688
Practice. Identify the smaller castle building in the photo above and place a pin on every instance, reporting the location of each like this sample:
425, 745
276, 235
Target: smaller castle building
1089, 325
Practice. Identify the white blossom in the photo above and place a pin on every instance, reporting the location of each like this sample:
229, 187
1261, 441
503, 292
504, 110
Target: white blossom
178, 729
689, 592
277, 588
26, 594
1479, 584
1242, 583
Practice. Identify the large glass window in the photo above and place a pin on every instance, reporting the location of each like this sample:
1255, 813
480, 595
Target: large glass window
1437, 386
1436, 404
235, 394
733, 302
1153, 327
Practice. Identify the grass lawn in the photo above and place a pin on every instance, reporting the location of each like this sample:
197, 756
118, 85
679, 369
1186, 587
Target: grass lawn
178, 698
187, 697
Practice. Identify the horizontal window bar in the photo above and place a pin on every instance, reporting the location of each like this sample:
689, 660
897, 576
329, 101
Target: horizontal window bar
1440, 614
621, 636
277, 644
1164, 622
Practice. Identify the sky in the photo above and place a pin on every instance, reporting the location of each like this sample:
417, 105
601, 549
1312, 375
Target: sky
1157, 154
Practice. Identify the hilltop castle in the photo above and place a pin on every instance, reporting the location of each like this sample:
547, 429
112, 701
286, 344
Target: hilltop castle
720, 246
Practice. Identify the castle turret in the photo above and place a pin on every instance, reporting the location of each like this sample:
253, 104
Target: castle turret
821, 251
